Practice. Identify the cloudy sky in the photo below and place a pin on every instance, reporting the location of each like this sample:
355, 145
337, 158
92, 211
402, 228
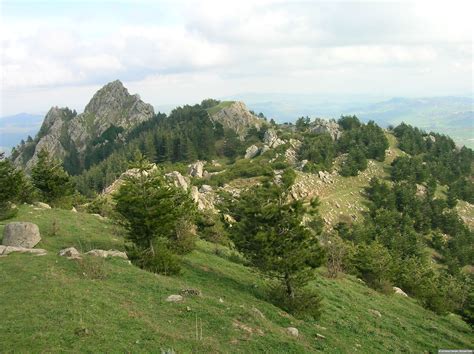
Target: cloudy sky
61, 52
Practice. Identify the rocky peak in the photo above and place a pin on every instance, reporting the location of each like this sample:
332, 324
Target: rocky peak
115, 105
236, 116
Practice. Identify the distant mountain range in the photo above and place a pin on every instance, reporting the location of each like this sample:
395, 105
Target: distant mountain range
451, 115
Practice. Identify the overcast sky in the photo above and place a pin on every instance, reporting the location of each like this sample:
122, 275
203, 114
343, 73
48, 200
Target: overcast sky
61, 52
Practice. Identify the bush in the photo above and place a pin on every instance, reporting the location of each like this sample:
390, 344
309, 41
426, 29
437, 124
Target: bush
306, 304
163, 261
92, 267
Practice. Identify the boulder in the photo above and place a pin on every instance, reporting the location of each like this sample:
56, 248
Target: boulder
177, 179
205, 188
109, 253
322, 126
399, 291
6, 250
74, 210
293, 331
70, 253
174, 298
190, 292
271, 139
264, 149
42, 205
196, 169
251, 152
375, 313
21, 234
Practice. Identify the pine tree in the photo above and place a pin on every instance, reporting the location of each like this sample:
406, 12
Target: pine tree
49, 177
270, 233
151, 208
13, 187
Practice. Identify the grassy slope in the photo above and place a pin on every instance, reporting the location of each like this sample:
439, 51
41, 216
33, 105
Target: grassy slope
49, 305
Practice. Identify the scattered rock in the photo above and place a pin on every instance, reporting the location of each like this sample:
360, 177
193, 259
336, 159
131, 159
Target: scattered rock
6, 250
293, 331
221, 301
188, 308
74, 210
271, 139
105, 254
251, 152
190, 292
21, 234
177, 179
320, 336
258, 312
247, 328
42, 205
70, 253
264, 149
205, 188
174, 298
375, 313
399, 291
196, 169
329, 127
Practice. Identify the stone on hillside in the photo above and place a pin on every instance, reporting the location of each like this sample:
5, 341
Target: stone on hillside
70, 253
251, 152
264, 149
196, 169
205, 188
177, 179
291, 156
21, 234
174, 298
322, 126
109, 253
237, 117
300, 166
74, 210
399, 291
271, 139
375, 313
42, 205
6, 250
293, 331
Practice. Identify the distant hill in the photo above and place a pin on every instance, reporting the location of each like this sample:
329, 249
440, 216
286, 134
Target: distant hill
450, 115
16, 127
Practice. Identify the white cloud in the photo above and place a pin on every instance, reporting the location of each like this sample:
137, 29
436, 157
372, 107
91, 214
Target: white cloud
212, 47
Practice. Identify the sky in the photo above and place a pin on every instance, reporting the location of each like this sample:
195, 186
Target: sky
175, 52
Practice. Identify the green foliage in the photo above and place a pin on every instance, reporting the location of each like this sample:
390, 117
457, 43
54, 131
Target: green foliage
406, 168
319, 150
152, 211
349, 122
54, 184
270, 233
14, 188
354, 162
302, 123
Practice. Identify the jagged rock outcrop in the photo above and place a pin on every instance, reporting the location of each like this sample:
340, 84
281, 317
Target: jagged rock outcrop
237, 117
64, 133
178, 180
196, 169
324, 126
251, 152
271, 139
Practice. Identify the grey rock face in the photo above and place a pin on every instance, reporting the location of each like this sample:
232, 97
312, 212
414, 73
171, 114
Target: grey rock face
271, 139
322, 126
238, 118
196, 169
251, 152
21, 234
109, 253
177, 179
112, 105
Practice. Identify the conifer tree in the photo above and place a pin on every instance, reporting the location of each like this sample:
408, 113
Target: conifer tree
49, 177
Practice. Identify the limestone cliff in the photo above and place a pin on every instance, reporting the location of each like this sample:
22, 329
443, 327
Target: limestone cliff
236, 116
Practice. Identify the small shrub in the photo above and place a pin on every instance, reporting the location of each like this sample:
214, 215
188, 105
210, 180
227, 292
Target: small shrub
162, 262
306, 304
92, 267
